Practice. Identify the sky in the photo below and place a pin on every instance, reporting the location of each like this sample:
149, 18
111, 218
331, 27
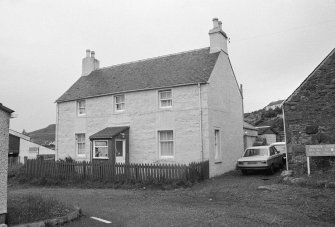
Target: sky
274, 44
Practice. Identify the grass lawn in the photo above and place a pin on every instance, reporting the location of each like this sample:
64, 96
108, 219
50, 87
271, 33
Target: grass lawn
28, 208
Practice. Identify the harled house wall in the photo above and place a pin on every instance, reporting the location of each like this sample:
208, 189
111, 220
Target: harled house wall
145, 118
225, 114
4, 141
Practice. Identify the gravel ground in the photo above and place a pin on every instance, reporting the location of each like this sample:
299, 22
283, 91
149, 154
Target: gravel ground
230, 200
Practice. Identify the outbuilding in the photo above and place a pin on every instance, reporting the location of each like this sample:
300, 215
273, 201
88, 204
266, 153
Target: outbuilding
309, 114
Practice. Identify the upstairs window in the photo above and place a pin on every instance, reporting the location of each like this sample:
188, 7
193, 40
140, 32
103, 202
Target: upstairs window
81, 107
80, 144
165, 99
119, 102
165, 140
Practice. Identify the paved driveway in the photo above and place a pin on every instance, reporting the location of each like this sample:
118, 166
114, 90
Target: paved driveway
231, 200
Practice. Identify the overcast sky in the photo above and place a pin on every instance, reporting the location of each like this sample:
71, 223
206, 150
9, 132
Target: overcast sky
274, 44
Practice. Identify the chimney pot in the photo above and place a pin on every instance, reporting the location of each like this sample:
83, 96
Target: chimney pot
88, 53
215, 22
220, 25
92, 54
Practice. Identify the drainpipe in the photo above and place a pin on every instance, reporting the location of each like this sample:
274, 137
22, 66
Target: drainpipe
200, 123
285, 136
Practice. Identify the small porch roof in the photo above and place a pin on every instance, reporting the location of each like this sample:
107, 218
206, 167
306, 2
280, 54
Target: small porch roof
108, 132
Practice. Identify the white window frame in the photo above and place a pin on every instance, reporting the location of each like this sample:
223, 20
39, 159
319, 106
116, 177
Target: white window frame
159, 145
115, 103
77, 144
160, 99
94, 146
78, 107
217, 146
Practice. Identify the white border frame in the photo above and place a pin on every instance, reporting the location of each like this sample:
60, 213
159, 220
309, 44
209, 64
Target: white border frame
161, 157
76, 145
77, 107
159, 99
124, 148
114, 103
93, 151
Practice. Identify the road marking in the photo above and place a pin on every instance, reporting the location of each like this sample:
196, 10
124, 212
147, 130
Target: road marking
102, 220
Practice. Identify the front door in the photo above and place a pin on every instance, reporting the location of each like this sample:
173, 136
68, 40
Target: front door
120, 151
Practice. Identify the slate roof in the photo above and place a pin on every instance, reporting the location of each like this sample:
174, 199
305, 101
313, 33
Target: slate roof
327, 66
246, 125
6, 109
108, 132
184, 68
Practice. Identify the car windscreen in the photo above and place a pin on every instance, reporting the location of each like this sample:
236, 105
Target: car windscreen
256, 151
281, 148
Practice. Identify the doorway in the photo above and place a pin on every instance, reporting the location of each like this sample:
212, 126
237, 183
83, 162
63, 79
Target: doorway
120, 151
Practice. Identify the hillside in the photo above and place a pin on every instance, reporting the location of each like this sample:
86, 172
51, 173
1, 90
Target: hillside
44, 136
264, 117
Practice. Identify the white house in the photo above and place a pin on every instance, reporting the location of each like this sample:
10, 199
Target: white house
275, 104
5, 114
178, 108
20, 147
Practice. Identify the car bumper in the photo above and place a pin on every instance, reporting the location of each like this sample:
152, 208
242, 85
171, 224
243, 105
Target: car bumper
253, 167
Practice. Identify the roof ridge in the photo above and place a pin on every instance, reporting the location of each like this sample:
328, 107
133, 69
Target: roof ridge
152, 58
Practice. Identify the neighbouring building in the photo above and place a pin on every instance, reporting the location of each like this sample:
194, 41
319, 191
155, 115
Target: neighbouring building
20, 146
309, 114
274, 105
250, 134
179, 108
267, 132
5, 114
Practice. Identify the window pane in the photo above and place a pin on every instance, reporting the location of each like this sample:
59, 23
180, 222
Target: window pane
100, 152
166, 148
165, 94
81, 138
119, 148
165, 103
81, 148
119, 98
101, 143
165, 135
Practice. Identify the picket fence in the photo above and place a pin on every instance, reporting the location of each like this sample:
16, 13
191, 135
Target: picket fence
118, 172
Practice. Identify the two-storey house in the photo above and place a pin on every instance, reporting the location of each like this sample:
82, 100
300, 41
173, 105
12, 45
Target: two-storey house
5, 115
178, 108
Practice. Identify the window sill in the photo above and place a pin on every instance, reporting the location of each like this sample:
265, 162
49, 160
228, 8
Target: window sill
102, 158
119, 111
81, 155
81, 115
217, 162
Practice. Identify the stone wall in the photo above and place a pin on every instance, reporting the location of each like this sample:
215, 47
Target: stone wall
4, 138
310, 117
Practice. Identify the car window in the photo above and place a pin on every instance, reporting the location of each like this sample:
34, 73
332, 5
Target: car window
272, 151
275, 150
256, 151
281, 148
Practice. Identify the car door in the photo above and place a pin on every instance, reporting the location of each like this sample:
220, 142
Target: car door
277, 156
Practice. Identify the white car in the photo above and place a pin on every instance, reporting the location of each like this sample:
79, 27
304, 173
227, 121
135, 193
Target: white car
261, 158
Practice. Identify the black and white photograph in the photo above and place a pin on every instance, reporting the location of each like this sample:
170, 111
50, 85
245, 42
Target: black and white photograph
167, 113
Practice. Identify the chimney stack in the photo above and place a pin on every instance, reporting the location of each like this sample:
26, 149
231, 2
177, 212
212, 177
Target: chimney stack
217, 37
89, 63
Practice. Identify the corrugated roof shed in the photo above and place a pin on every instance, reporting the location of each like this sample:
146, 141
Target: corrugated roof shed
185, 68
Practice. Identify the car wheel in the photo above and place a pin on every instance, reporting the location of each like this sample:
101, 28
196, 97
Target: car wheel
272, 169
244, 171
